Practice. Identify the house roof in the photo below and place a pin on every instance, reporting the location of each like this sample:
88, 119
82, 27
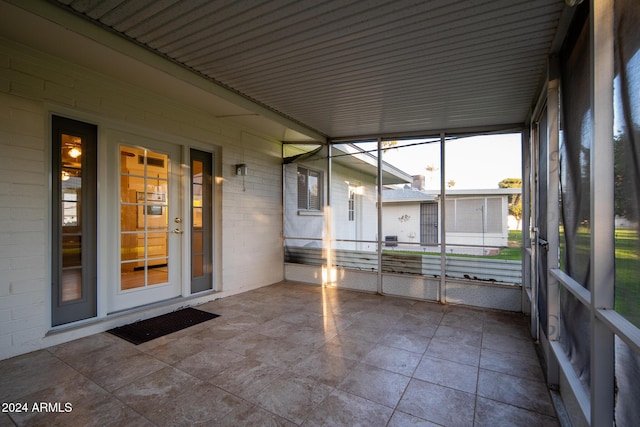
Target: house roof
414, 195
352, 157
407, 195
338, 69
483, 191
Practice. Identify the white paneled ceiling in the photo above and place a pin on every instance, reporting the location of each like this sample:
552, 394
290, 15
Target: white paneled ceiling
355, 67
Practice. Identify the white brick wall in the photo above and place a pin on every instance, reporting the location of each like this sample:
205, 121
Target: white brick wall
31, 85
22, 217
255, 251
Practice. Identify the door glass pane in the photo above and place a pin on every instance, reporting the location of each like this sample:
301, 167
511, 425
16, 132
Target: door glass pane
201, 253
197, 215
71, 255
127, 218
71, 200
157, 165
132, 246
158, 273
197, 194
144, 221
130, 187
196, 240
132, 275
157, 245
197, 172
154, 215
196, 234
197, 266
71, 284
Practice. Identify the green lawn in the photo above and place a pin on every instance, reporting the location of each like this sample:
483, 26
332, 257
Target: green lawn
515, 237
627, 269
627, 265
513, 252
627, 287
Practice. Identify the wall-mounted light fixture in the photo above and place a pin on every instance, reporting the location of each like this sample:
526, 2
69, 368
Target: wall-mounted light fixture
242, 170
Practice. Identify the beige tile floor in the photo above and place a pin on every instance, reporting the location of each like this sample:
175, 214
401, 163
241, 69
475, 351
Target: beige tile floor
292, 354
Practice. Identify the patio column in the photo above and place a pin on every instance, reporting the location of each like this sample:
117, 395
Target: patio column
328, 219
379, 212
442, 292
602, 212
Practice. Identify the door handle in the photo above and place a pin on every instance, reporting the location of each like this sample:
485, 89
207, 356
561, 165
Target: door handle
177, 231
544, 244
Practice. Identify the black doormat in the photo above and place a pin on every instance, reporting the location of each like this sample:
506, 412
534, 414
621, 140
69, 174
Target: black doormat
149, 329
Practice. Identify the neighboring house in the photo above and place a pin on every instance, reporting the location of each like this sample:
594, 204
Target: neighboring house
473, 217
409, 215
352, 190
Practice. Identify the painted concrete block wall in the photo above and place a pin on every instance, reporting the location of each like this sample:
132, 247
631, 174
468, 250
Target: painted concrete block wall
494, 296
411, 286
33, 84
463, 292
353, 280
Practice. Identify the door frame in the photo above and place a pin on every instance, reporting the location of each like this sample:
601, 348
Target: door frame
114, 301
106, 223
216, 217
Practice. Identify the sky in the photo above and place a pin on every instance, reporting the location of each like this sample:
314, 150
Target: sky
473, 162
633, 82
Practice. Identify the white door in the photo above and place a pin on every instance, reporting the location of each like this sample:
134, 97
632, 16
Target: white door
149, 232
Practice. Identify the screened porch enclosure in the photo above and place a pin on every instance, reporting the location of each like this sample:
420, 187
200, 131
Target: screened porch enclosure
382, 216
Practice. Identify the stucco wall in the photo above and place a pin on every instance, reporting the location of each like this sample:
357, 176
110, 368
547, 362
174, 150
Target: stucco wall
32, 86
402, 220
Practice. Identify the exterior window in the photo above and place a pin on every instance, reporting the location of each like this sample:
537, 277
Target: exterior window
309, 189
352, 204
